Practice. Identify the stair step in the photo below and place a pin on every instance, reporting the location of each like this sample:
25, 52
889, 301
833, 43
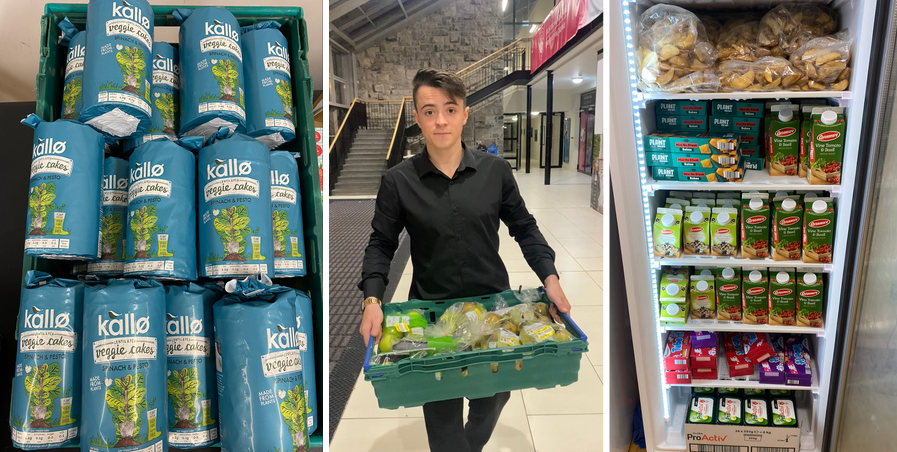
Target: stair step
366, 158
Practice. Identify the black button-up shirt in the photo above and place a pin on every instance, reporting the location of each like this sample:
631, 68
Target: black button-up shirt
453, 226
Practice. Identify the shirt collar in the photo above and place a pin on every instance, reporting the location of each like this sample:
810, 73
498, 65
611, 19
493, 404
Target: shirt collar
424, 165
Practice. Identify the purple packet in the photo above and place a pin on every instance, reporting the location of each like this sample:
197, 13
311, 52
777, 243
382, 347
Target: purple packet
772, 371
797, 368
703, 339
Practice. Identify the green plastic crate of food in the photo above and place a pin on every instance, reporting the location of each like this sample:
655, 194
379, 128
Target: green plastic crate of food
474, 374
49, 83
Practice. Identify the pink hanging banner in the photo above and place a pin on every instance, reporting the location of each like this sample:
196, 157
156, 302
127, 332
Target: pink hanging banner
562, 23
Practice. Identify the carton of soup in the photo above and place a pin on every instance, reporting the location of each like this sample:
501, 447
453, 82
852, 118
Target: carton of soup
782, 298
787, 228
827, 146
668, 233
703, 297
755, 286
819, 231
696, 231
723, 233
809, 299
755, 225
728, 294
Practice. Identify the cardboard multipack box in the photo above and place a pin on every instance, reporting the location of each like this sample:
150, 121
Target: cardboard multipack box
677, 377
749, 109
695, 142
734, 174
704, 358
742, 438
701, 373
738, 362
664, 173
723, 108
676, 351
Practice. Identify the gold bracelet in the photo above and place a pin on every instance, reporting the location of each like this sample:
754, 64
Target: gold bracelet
370, 300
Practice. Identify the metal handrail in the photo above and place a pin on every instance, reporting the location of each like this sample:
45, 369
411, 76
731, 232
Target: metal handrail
396, 129
338, 132
500, 52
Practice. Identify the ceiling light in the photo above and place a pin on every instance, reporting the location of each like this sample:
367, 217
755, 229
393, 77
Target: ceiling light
577, 80
514, 119
504, 5
535, 113
533, 29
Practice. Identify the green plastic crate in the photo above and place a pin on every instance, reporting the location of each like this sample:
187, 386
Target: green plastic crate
474, 374
49, 82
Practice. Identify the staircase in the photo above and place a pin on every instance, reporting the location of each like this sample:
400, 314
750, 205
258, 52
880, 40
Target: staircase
364, 164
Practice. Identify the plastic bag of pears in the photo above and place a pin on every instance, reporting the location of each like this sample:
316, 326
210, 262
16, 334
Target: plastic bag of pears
403, 337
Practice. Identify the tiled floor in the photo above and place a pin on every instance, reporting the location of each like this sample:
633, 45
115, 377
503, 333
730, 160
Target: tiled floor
559, 419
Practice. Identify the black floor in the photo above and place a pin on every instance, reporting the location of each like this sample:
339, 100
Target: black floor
350, 229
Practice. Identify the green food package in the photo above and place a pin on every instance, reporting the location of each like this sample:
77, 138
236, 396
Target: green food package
819, 231
676, 203
809, 299
695, 391
806, 136
673, 298
668, 233
696, 229
728, 391
827, 146
729, 410
724, 231
728, 294
703, 297
755, 225
783, 412
756, 411
701, 410
406, 322
781, 392
755, 287
787, 228
754, 392
784, 141
782, 306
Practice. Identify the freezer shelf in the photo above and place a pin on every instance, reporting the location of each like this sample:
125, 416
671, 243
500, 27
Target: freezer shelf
753, 180
739, 262
841, 96
695, 325
752, 381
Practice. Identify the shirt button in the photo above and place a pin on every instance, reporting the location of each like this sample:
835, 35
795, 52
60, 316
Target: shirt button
456, 209
451, 182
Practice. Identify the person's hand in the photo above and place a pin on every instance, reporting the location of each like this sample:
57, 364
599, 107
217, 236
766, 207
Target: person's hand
558, 299
370, 323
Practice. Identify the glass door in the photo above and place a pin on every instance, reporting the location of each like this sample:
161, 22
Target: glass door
513, 131
557, 140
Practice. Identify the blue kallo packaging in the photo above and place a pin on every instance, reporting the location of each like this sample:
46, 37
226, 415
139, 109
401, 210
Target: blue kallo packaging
112, 224
124, 391
192, 395
212, 81
286, 214
64, 197
74, 68
235, 227
261, 392
161, 206
305, 337
165, 98
269, 102
116, 64
46, 396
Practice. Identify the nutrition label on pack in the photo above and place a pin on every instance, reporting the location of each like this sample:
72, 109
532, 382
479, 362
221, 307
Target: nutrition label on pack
106, 267
57, 244
124, 98
272, 122
36, 438
286, 264
235, 269
206, 107
157, 447
148, 266
178, 438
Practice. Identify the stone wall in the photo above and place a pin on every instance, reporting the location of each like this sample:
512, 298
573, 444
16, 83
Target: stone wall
451, 39
485, 123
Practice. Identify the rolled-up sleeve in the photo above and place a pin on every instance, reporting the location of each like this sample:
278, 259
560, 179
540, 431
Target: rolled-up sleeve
387, 225
522, 226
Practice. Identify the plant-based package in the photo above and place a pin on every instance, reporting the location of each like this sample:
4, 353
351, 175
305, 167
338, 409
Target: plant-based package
286, 213
756, 411
64, 197
787, 227
117, 59
165, 101
212, 93
809, 299
306, 341
701, 409
114, 215
826, 146
782, 297
819, 230
74, 68
123, 383
674, 295
755, 225
724, 231
729, 411
668, 233
755, 289
784, 141
703, 297
728, 294
783, 412
261, 391
45, 410
266, 64
235, 225
192, 395
162, 236
696, 230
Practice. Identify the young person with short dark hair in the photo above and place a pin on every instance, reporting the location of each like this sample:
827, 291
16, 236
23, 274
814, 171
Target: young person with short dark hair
451, 199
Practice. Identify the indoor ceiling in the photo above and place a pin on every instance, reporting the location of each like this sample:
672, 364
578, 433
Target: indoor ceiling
359, 24
581, 61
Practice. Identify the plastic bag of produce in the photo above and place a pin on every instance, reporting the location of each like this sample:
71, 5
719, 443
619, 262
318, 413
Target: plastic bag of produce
192, 395
46, 397
162, 193
64, 198
212, 91
791, 25
269, 104
286, 214
824, 60
235, 227
306, 339
672, 44
119, 54
123, 384
74, 68
712, 26
739, 42
765, 74
112, 225
261, 391
165, 100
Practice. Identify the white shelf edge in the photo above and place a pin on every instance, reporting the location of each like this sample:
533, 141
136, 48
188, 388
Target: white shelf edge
741, 327
843, 97
753, 383
722, 261
753, 180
